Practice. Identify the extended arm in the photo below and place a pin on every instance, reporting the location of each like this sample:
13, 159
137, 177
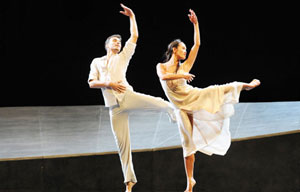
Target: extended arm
133, 26
188, 64
163, 75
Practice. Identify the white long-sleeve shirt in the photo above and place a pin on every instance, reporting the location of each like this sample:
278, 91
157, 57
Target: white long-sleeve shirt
114, 70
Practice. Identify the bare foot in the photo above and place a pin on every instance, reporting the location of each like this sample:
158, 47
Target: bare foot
129, 186
254, 83
190, 186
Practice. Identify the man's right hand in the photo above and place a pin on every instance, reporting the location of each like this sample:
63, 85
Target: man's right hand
127, 11
117, 86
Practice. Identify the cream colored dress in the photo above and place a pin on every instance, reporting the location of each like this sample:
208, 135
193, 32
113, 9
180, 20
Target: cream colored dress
210, 108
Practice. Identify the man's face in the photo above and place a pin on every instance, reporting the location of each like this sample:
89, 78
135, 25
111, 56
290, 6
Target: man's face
114, 44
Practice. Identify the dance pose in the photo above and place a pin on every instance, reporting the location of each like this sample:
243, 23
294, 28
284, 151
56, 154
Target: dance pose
109, 74
202, 114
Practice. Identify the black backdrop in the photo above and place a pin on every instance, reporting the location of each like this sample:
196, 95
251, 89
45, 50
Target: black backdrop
46, 47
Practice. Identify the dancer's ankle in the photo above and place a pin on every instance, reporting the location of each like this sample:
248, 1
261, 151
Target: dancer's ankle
190, 184
129, 186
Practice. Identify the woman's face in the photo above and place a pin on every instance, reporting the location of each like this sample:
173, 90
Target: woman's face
180, 51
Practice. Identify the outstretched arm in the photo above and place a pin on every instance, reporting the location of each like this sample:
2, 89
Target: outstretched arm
188, 64
133, 26
163, 75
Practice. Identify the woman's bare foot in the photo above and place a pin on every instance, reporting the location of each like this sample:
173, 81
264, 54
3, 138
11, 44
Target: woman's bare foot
254, 83
129, 186
191, 184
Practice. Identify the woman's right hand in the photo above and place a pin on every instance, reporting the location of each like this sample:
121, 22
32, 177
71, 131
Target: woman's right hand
189, 77
193, 17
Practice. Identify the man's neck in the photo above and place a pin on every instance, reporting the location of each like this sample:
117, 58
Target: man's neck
111, 53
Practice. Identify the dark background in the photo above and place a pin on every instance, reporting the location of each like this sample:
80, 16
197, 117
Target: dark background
46, 47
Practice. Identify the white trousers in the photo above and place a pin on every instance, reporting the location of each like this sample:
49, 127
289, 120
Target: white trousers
120, 125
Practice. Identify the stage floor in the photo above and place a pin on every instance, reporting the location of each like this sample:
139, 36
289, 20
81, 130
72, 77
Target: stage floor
63, 131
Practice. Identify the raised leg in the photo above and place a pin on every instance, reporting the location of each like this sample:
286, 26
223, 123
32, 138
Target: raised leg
254, 83
138, 101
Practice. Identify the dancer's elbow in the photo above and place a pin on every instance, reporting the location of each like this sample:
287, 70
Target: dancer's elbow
92, 84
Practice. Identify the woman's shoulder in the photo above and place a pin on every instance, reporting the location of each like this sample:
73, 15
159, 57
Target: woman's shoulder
161, 65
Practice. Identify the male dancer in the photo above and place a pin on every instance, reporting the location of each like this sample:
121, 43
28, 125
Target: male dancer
108, 73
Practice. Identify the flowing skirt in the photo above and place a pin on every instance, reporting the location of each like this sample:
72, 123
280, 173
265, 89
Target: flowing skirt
209, 110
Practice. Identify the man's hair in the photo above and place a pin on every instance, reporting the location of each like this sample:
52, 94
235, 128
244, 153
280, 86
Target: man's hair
108, 38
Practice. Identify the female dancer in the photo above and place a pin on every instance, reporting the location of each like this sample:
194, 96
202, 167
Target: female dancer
202, 114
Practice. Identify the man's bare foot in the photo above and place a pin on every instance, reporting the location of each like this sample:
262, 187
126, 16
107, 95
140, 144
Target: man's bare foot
254, 83
191, 184
129, 186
